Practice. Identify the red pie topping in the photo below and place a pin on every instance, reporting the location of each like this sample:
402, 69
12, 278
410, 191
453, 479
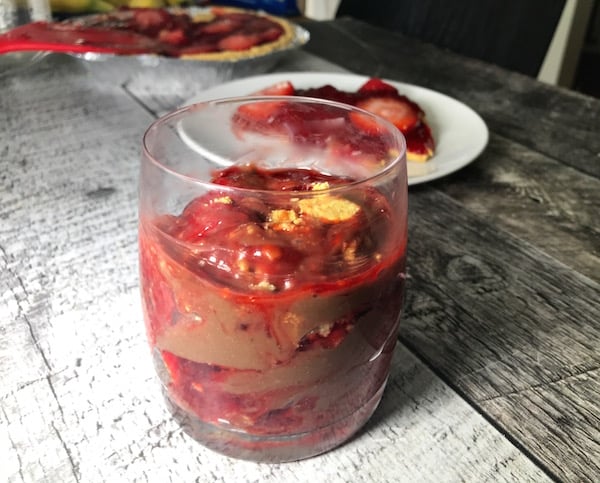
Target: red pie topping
218, 33
379, 98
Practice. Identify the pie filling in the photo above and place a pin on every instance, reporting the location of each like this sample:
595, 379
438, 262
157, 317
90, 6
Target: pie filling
379, 98
217, 33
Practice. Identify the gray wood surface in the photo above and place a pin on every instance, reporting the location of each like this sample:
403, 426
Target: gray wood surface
496, 377
537, 198
486, 311
505, 254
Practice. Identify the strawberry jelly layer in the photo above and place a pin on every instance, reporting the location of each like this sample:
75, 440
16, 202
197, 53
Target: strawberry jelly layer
271, 315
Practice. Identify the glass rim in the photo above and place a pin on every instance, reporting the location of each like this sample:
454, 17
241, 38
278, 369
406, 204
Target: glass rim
179, 112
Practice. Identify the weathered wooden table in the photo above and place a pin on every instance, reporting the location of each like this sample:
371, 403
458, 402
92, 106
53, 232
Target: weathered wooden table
496, 377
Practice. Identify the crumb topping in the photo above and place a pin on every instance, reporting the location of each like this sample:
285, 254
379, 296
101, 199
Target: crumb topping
328, 208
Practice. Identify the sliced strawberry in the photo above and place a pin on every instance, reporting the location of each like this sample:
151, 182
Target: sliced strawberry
366, 123
256, 112
377, 85
263, 111
271, 34
399, 112
173, 37
239, 42
205, 216
150, 20
221, 26
330, 93
283, 88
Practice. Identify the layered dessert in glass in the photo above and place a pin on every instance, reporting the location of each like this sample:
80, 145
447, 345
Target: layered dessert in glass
272, 260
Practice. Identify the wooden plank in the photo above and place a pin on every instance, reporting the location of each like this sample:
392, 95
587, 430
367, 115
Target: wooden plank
422, 431
552, 206
562, 124
506, 325
79, 399
543, 407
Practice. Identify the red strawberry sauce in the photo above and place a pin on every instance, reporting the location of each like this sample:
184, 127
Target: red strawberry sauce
272, 323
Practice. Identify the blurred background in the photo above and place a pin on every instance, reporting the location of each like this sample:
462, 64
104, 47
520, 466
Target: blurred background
572, 59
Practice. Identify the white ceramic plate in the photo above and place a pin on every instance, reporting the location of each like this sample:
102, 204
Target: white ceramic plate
459, 132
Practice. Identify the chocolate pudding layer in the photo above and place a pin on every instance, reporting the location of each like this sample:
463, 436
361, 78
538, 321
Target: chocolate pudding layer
275, 314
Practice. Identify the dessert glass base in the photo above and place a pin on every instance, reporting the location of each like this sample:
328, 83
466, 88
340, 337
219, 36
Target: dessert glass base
281, 448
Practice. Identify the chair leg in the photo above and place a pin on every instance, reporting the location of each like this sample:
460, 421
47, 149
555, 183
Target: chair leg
560, 64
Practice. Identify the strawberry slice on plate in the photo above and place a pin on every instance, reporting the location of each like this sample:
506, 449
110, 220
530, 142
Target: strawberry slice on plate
400, 113
283, 88
377, 85
262, 111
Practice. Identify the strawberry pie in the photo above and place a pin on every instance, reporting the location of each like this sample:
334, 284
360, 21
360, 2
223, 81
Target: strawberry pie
217, 33
380, 98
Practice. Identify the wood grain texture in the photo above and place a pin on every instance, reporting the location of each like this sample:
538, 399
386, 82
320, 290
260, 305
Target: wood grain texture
553, 207
562, 124
511, 321
422, 431
79, 400
537, 198
507, 326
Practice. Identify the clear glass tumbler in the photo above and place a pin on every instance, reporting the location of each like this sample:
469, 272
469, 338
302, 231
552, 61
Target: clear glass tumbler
272, 243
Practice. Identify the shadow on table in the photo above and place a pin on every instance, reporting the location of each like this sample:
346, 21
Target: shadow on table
407, 392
